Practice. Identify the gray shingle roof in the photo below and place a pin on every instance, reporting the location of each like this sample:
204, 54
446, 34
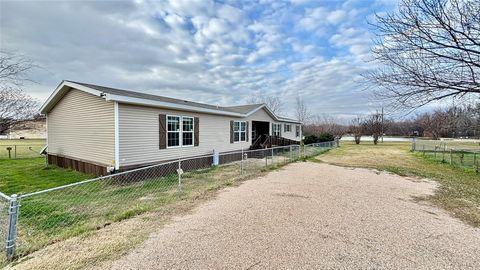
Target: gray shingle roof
121, 92
244, 108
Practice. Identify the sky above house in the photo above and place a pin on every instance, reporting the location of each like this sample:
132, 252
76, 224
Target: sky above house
217, 52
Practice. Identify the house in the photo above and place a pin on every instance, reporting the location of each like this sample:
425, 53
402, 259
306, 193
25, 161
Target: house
96, 129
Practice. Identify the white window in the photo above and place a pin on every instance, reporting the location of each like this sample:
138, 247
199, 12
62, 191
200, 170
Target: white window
179, 131
187, 131
287, 128
297, 131
173, 131
239, 131
276, 129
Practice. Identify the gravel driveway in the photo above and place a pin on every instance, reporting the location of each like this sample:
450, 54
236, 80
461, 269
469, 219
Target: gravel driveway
311, 215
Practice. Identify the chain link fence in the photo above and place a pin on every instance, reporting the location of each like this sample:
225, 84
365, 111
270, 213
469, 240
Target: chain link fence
4, 222
457, 153
40, 218
15, 151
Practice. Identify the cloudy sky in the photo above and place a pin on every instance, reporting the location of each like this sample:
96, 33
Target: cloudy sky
218, 52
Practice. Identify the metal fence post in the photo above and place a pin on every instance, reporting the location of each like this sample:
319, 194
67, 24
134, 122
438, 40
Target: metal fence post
435, 153
475, 160
291, 153
15, 151
12, 226
241, 163
179, 172
273, 162
451, 160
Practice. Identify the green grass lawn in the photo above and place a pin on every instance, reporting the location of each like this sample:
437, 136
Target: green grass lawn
21, 148
60, 214
30, 174
465, 159
448, 144
460, 188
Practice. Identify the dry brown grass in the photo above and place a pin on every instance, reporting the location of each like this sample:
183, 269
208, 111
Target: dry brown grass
460, 189
92, 249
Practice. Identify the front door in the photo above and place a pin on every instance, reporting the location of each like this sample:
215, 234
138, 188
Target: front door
260, 128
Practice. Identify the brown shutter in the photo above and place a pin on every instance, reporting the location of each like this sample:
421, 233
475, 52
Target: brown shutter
162, 132
196, 131
246, 129
231, 131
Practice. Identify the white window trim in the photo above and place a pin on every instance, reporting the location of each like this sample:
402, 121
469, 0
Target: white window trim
279, 129
239, 132
299, 131
193, 131
180, 136
289, 129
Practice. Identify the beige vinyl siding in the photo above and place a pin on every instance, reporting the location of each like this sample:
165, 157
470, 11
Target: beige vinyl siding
81, 126
262, 115
139, 134
291, 134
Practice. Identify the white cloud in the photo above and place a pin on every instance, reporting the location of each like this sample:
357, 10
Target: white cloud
214, 52
336, 16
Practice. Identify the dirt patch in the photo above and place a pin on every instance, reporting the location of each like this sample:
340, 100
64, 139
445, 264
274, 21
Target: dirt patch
351, 219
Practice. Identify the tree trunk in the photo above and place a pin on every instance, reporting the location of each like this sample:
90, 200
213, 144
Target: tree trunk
357, 139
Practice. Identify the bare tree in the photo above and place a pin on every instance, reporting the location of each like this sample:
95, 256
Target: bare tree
325, 124
302, 112
15, 104
274, 103
428, 50
433, 124
373, 125
356, 128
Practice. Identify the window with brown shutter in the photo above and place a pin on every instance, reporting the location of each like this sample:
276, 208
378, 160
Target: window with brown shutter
239, 131
162, 131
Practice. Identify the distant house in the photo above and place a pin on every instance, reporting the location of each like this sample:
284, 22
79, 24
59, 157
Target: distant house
94, 129
28, 129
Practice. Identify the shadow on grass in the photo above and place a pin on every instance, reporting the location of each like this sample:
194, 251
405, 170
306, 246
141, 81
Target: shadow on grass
57, 215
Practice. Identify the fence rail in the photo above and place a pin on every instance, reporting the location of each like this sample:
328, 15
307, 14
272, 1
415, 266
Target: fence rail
16, 151
465, 155
33, 220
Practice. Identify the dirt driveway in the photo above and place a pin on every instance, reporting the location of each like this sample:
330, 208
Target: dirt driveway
310, 215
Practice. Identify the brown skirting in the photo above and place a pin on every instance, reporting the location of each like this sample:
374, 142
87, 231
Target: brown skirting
197, 163
77, 165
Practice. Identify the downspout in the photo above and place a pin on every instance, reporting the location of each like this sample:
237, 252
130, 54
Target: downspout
117, 137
